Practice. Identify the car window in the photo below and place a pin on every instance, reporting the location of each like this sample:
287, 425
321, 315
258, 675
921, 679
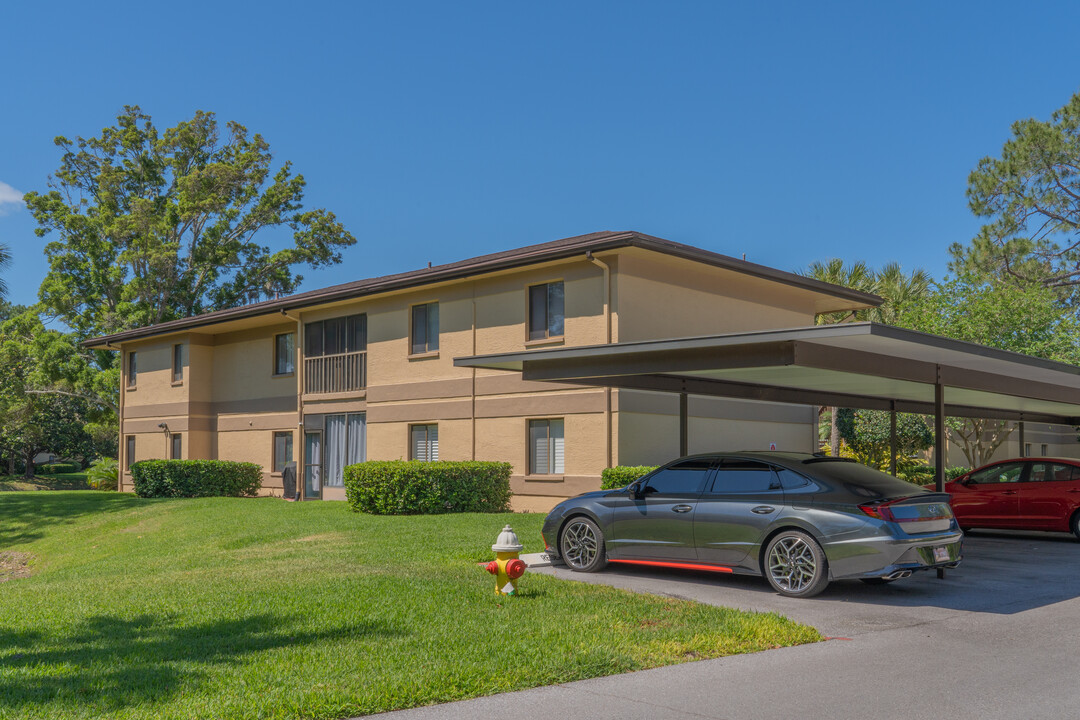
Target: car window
790, 480
1053, 472
682, 478
1004, 473
741, 476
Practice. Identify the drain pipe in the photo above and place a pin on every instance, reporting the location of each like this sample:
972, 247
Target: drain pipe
299, 370
607, 330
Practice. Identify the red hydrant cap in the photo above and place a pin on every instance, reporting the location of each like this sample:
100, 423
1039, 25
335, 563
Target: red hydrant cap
515, 568
492, 567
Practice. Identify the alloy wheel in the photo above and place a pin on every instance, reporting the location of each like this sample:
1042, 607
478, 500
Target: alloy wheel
579, 544
792, 565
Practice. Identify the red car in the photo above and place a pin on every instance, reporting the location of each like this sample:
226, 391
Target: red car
1021, 494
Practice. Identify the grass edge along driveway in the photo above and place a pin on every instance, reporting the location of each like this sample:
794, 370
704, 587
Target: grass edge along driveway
234, 608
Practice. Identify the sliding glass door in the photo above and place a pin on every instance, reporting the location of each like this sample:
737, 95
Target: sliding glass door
313, 465
346, 444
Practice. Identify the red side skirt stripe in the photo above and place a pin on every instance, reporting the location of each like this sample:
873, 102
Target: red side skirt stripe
687, 566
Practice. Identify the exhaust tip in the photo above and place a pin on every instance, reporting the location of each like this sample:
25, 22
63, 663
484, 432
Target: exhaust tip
898, 575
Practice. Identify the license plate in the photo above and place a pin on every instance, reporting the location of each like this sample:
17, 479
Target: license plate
941, 554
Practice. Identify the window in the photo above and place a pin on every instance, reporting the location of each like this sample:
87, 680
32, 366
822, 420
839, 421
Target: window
1027, 449
682, 478
284, 354
1004, 473
425, 328
1053, 472
335, 336
424, 442
176, 447
1045, 448
744, 476
546, 447
177, 363
282, 450
132, 369
546, 311
129, 452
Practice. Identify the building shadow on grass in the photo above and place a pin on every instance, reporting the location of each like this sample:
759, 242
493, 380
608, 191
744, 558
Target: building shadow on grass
109, 663
24, 516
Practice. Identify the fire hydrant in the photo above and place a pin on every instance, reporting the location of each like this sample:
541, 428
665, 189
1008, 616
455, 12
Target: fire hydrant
507, 567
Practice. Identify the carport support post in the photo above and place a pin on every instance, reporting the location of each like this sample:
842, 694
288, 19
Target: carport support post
1022, 442
684, 444
892, 437
939, 441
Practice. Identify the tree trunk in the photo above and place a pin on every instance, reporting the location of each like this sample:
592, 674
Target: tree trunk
834, 434
11, 464
29, 474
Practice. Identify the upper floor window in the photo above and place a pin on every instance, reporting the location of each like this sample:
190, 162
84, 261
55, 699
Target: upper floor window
284, 353
177, 363
424, 442
132, 369
335, 336
546, 317
425, 328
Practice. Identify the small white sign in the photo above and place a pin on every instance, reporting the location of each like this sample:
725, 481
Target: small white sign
507, 589
536, 559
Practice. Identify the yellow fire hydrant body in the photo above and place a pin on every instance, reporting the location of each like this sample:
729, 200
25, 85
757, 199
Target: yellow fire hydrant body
507, 566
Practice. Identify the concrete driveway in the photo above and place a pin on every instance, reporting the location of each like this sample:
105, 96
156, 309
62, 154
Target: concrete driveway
999, 637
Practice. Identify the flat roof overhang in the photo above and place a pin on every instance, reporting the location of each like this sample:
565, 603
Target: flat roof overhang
856, 365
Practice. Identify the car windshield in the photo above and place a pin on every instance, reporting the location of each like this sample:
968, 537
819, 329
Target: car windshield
864, 481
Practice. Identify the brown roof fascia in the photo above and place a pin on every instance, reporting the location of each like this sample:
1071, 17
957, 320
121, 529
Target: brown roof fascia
509, 259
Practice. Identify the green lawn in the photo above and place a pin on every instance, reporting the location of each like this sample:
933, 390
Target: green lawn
233, 608
60, 481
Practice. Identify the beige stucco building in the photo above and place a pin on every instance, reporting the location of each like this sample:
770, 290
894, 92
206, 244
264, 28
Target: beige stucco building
365, 370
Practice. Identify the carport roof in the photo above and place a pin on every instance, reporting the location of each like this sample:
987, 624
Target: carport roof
857, 365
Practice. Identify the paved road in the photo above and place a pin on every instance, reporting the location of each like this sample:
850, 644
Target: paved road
998, 638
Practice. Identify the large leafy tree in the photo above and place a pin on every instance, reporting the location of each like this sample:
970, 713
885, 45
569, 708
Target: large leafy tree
1030, 319
1030, 197
150, 226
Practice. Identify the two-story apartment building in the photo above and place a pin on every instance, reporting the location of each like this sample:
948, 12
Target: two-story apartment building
365, 370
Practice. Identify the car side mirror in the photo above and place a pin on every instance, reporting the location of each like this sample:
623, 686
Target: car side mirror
634, 490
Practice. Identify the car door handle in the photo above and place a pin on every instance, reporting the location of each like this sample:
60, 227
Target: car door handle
763, 509
683, 508
1074, 490
1009, 492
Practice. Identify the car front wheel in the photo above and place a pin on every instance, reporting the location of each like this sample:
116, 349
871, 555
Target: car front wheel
582, 545
795, 565
1074, 524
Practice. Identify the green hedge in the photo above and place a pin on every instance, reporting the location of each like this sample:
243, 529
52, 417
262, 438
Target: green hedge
56, 468
195, 478
622, 475
399, 487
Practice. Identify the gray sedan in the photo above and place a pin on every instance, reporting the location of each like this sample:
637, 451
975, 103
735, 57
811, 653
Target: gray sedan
800, 520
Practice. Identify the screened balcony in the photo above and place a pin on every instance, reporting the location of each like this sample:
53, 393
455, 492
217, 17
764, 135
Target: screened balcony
335, 353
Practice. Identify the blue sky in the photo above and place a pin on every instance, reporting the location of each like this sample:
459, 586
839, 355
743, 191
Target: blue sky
791, 132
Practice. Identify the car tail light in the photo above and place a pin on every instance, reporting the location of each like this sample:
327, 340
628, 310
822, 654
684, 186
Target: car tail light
879, 510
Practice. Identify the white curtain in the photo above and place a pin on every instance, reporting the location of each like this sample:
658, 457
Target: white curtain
336, 446
357, 439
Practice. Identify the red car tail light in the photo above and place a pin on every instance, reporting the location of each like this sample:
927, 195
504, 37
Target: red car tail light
879, 510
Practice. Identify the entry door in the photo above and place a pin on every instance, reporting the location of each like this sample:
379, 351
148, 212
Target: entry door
659, 525
733, 515
313, 465
991, 498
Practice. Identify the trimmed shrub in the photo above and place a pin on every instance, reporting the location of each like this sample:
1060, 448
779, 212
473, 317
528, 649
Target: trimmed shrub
954, 472
622, 475
102, 475
195, 478
401, 487
57, 468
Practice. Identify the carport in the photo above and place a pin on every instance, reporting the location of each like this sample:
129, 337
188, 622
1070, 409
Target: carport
855, 365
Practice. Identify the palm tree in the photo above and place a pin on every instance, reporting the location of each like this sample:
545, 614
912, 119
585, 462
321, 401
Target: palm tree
5, 262
896, 290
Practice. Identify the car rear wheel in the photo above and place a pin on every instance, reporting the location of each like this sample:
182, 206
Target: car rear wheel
582, 545
1074, 524
795, 565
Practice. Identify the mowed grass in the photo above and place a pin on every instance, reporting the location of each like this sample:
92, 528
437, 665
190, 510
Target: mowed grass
60, 481
234, 608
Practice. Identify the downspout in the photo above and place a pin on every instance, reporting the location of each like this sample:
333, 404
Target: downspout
472, 413
121, 450
607, 329
300, 483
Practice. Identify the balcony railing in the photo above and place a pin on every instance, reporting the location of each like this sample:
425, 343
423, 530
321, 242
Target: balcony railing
344, 372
